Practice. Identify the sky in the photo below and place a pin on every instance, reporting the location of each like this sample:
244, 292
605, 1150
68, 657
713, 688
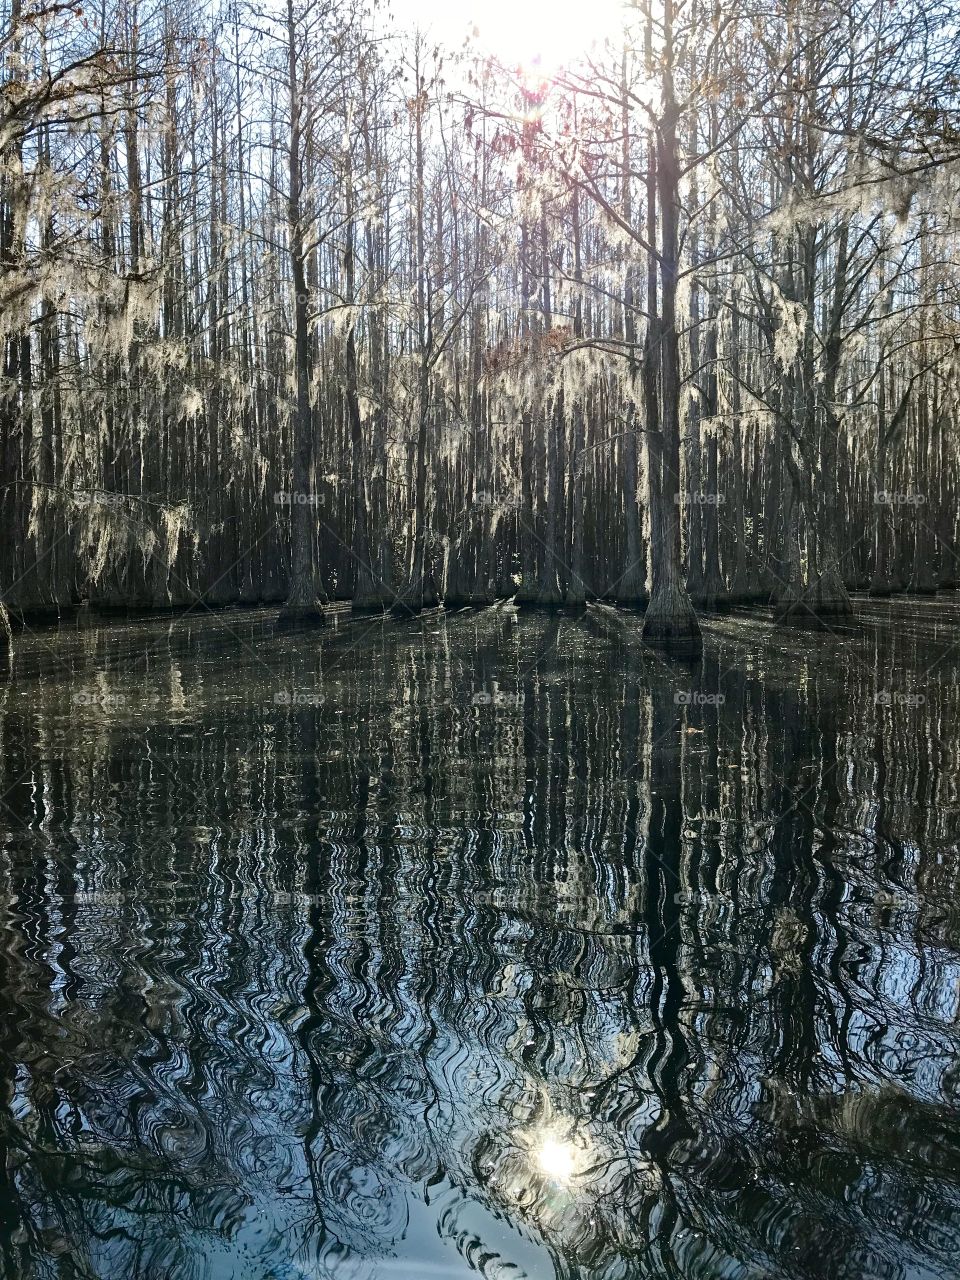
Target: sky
517, 31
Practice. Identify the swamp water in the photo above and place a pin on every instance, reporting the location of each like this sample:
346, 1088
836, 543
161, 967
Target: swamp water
481, 944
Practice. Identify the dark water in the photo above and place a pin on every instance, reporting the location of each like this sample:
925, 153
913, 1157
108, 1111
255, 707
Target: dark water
481, 945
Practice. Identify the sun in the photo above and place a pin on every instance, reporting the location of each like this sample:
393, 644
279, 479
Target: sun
550, 33
543, 33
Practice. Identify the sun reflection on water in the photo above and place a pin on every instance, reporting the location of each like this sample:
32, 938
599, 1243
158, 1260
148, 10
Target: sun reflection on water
556, 1159
555, 1152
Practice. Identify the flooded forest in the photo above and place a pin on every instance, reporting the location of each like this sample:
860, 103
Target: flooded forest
480, 640
293, 313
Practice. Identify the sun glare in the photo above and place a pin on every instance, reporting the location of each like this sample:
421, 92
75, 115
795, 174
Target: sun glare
545, 33
556, 1159
539, 31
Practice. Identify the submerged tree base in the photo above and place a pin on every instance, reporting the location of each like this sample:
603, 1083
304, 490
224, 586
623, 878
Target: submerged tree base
671, 620
525, 596
467, 598
562, 602
407, 606
823, 600
544, 600
412, 605
296, 617
420, 593
457, 600
372, 601
549, 596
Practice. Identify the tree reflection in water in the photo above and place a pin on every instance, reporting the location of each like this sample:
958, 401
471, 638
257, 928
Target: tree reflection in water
482, 943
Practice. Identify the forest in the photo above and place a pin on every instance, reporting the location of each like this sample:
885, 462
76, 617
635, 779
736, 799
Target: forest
298, 306
480, 640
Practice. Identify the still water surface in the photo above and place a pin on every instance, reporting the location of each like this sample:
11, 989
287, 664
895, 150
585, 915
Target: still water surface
481, 944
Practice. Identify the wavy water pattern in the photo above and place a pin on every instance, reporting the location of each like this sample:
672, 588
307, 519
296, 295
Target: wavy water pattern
484, 945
